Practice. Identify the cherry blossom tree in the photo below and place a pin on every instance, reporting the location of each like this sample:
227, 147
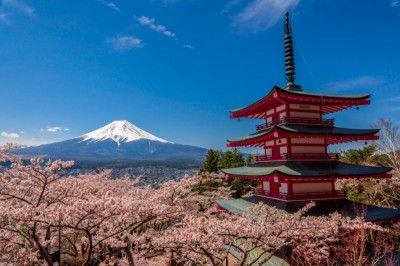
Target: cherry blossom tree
263, 231
37, 198
42, 207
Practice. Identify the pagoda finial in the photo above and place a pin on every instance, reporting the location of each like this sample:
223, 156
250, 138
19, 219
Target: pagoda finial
289, 56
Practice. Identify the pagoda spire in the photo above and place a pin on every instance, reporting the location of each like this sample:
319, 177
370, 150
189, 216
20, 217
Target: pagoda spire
289, 56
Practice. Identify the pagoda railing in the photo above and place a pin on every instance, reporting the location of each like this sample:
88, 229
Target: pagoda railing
297, 156
296, 120
299, 196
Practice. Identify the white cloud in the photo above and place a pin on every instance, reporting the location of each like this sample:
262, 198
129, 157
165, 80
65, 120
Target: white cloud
169, 34
9, 135
110, 4
260, 15
156, 27
19, 7
66, 129
145, 20
53, 129
10, 7
4, 18
125, 43
42, 129
230, 5
22, 132
356, 83
188, 46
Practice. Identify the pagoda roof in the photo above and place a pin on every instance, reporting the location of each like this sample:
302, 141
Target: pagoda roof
306, 169
303, 129
325, 98
349, 208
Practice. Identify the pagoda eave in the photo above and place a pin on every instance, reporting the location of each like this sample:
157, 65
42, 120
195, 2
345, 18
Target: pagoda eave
329, 102
323, 207
330, 139
306, 170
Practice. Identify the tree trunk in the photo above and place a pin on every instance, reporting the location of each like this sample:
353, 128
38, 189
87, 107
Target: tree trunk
43, 252
89, 250
128, 252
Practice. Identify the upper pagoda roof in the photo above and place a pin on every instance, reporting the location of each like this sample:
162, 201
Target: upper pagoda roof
343, 101
346, 207
326, 131
306, 169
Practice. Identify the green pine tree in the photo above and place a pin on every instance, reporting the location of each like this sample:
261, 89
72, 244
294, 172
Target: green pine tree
231, 158
210, 165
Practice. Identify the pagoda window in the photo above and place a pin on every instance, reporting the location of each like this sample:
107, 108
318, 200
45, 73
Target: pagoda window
283, 188
282, 115
268, 151
283, 150
266, 185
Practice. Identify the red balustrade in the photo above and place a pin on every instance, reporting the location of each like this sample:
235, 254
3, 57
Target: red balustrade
298, 120
297, 156
299, 196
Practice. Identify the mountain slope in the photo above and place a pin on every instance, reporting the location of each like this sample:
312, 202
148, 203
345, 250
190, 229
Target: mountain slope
117, 141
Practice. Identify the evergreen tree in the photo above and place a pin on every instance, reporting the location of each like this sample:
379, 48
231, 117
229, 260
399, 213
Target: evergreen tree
365, 156
217, 160
210, 165
231, 158
250, 160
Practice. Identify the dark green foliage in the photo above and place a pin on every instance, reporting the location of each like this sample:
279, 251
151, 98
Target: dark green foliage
365, 156
231, 158
210, 165
357, 194
368, 191
217, 160
250, 160
242, 186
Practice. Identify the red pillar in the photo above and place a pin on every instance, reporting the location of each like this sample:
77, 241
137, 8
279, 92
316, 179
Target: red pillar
289, 188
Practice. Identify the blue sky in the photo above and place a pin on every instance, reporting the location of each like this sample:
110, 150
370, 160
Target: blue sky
175, 67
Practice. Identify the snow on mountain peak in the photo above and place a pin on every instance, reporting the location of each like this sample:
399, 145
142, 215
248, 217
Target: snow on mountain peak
120, 131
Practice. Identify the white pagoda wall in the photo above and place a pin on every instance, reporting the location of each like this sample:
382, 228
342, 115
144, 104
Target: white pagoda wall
304, 114
311, 187
308, 149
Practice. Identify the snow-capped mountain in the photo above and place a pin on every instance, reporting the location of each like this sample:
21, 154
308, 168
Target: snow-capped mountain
120, 131
118, 141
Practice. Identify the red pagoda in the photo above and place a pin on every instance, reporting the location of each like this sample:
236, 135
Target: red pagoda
296, 167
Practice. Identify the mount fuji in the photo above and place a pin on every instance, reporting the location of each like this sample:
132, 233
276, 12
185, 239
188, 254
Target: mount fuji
119, 141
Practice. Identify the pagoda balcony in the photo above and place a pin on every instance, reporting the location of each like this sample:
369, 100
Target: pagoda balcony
336, 194
297, 156
296, 120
